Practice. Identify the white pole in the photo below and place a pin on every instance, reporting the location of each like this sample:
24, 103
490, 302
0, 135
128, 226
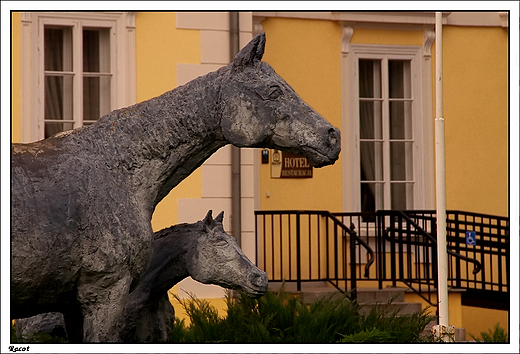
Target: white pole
440, 179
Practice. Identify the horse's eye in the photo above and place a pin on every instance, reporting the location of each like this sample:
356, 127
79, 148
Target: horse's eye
221, 243
274, 92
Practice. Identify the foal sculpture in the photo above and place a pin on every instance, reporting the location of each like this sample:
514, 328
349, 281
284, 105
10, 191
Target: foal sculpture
82, 201
202, 250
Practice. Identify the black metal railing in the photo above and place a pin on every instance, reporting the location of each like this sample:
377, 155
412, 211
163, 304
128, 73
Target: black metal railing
306, 246
389, 248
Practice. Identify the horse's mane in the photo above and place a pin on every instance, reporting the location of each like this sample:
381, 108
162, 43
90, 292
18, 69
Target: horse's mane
181, 229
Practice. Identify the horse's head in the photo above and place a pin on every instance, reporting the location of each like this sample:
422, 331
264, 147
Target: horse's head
217, 259
259, 109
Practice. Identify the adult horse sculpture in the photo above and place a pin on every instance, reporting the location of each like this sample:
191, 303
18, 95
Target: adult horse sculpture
82, 201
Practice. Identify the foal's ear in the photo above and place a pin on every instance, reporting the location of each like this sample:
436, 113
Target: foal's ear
208, 220
220, 217
251, 53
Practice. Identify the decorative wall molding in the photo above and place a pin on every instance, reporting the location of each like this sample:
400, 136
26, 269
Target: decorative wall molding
428, 38
504, 18
257, 25
346, 36
130, 20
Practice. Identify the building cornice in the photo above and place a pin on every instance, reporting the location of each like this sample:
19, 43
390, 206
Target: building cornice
388, 19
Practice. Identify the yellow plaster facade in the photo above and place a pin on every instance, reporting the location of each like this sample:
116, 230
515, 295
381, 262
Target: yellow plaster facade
307, 54
476, 107
316, 78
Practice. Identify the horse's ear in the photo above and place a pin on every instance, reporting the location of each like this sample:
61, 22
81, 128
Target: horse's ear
208, 220
220, 217
252, 52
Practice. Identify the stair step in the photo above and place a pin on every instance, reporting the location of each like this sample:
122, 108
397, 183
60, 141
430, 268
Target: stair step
310, 295
375, 295
403, 308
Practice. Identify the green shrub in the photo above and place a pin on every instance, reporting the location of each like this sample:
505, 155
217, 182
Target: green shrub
495, 335
284, 318
398, 328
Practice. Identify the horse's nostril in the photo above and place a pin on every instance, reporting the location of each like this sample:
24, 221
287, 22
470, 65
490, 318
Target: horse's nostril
258, 279
333, 136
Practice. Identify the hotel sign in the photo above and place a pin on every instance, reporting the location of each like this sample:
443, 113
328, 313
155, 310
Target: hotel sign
287, 165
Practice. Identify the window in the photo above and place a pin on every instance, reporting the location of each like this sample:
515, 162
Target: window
387, 128
62, 68
76, 67
385, 134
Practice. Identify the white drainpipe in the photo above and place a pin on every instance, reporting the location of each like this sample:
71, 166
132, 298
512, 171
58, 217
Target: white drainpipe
443, 330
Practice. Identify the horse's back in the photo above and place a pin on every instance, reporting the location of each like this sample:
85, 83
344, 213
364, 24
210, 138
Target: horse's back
43, 261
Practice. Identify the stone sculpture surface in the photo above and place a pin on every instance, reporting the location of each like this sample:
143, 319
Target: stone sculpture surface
51, 323
82, 201
202, 250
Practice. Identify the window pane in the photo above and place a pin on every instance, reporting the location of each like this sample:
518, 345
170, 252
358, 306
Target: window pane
96, 97
58, 97
57, 49
369, 78
371, 161
370, 122
372, 197
399, 80
54, 128
58, 89
401, 120
96, 50
402, 196
401, 161
90, 51
96, 59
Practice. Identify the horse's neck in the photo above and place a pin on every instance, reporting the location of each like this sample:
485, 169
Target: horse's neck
168, 264
159, 142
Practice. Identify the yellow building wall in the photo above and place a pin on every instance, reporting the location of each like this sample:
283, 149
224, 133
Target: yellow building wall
386, 37
160, 46
16, 81
454, 306
476, 320
475, 86
291, 49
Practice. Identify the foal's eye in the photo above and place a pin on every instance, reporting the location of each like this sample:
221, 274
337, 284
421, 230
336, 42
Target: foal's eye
274, 92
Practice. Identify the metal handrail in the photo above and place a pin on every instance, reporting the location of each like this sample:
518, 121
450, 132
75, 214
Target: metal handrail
477, 265
358, 239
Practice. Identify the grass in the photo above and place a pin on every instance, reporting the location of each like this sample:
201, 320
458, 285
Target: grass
284, 318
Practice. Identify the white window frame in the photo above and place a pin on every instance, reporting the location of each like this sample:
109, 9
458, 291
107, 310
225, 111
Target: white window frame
122, 62
422, 124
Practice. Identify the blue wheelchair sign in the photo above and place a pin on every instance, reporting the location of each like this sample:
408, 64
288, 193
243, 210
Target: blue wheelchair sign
471, 238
